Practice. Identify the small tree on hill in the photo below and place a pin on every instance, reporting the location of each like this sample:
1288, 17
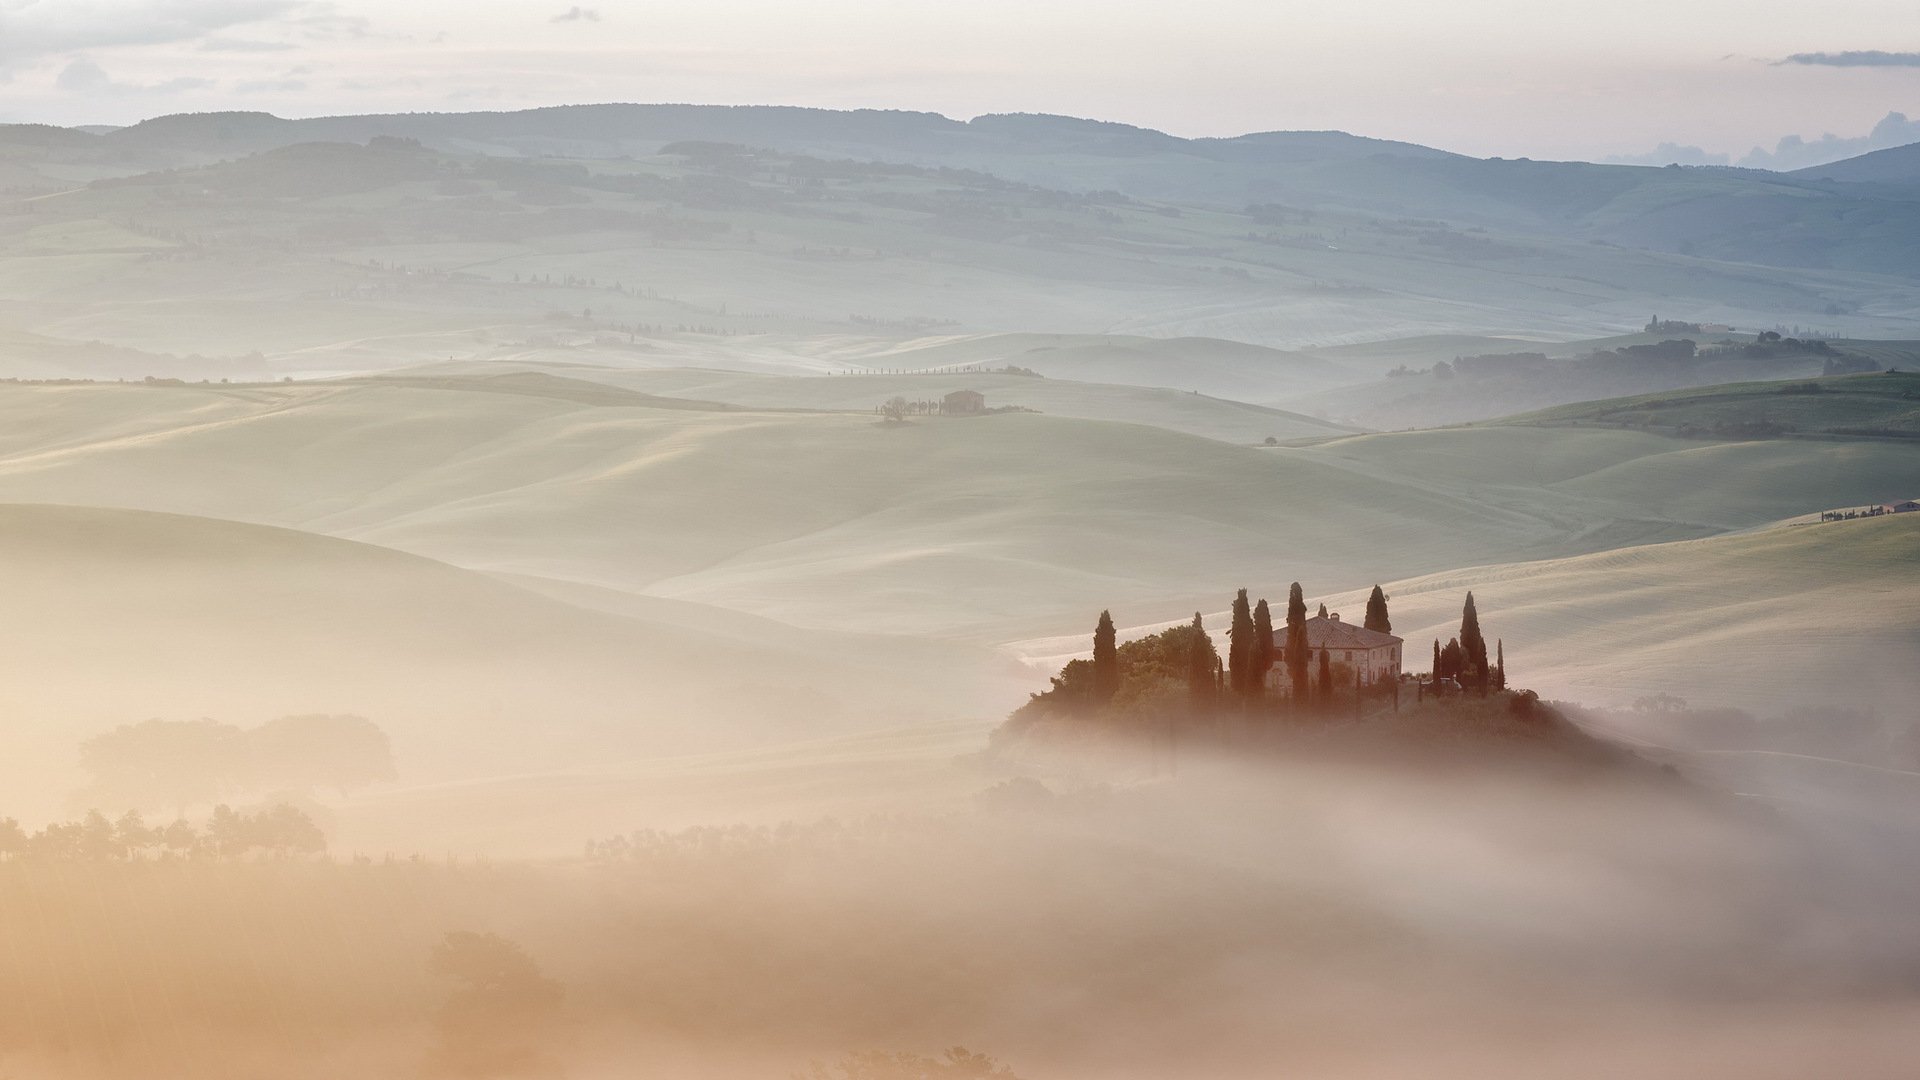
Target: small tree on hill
1377, 612
1296, 652
1262, 650
1240, 648
1106, 660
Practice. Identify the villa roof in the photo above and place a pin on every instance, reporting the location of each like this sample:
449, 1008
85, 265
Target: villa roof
1327, 632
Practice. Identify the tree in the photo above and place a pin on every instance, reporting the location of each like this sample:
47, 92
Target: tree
894, 409
490, 1025
165, 763
1473, 645
1296, 651
1240, 645
1323, 611
1435, 672
1262, 650
1377, 612
1325, 688
1201, 662
13, 839
1500, 664
1106, 660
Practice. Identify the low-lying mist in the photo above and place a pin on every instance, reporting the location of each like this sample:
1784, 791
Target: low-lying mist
1338, 907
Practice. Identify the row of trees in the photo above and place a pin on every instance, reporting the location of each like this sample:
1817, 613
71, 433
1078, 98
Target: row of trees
280, 831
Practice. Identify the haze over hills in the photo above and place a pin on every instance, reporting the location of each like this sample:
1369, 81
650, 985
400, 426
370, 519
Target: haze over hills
469, 674
1045, 517
287, 255
703, 532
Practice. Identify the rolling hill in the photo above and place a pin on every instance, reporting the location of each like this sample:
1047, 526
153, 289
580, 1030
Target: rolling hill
1175, 410
991, 528
1884, 405
1777, 620
120, 615
235, 244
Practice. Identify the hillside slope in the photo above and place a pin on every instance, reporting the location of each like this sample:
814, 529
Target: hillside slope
198, 617
1798, 617
993, 527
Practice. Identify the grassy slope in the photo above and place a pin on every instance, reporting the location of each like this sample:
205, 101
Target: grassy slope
1886, 403
1781, 618
992, 527
1772, 620
120, 615
1174, 410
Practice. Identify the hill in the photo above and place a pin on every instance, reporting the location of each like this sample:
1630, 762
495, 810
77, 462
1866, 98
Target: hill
469, 675
1898, 165
236, 243
1175, 410
1790, 619
1468, 387
990, 527
1886, 405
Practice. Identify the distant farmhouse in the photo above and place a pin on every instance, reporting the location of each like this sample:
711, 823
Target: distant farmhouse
963, 403
1906, 507
1375, 656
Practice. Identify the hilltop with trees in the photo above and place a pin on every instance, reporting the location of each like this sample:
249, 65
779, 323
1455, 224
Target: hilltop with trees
1176, 681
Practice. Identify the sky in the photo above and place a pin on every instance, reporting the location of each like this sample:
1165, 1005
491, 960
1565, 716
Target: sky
1513, 78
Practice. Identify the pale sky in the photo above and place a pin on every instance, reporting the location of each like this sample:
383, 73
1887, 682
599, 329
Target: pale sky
1534, 78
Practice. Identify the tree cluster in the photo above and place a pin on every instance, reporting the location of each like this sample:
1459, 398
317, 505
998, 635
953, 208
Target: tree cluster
279, 831
174, 764
1178, 671
1464, 657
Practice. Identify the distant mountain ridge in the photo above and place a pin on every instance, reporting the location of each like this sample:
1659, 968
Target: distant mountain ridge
1818, 219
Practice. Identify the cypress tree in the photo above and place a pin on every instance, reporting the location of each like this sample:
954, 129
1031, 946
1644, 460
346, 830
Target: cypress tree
1377, 612
1240, 648
1262, 650
1326, 678
1200, 663
1435, 671
1473, 645
1500, 665
1106, 660
1323, 611
1296, 651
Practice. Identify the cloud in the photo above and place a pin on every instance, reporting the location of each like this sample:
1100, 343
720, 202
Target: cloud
50, 29
577, 14
1795, 152
1858, 58
83, 76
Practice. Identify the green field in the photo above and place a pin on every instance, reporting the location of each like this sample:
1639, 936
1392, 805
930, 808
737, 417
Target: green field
1886, 404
